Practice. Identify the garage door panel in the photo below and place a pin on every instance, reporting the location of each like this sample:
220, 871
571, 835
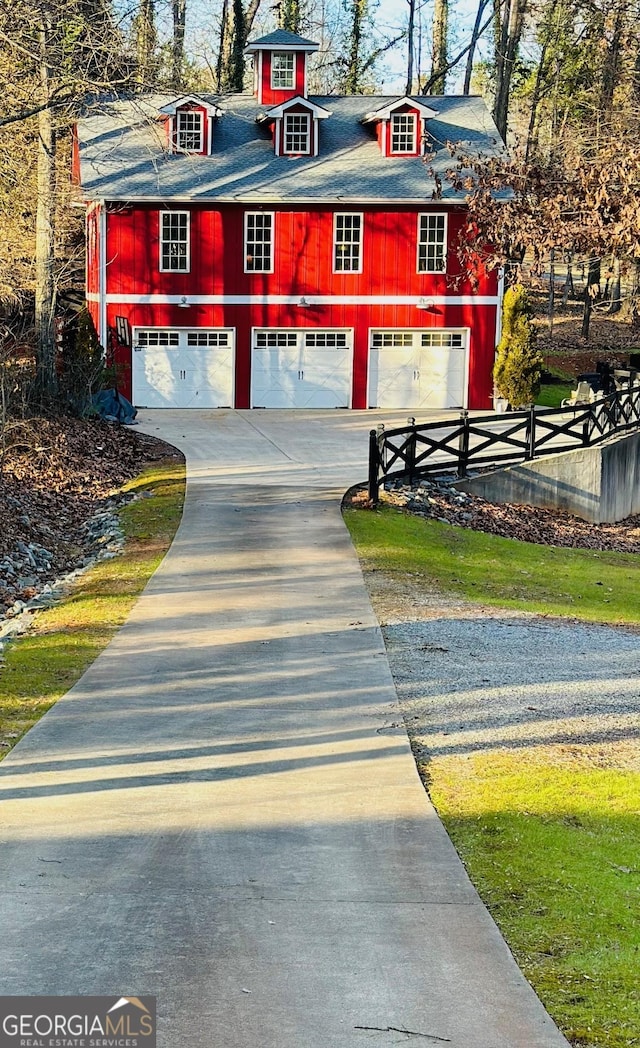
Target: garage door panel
191, 369
404, 373
301, 375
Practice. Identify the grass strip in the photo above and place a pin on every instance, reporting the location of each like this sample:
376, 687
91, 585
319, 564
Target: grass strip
42, 665
553, 847
592, 585
549, 835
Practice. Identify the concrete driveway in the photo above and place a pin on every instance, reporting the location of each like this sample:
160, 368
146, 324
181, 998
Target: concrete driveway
224, 811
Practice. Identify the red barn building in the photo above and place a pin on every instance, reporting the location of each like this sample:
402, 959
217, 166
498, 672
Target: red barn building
286, 251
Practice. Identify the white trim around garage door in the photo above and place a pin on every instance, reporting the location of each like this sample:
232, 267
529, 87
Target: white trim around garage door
463, 331
303, 383
187, 379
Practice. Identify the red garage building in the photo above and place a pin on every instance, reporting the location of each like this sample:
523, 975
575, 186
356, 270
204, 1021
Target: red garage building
282, 250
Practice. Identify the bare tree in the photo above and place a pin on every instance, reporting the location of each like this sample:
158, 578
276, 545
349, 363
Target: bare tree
179, 13
509, 18
439, 53
62, 52
236, 25
146, 42
475, 36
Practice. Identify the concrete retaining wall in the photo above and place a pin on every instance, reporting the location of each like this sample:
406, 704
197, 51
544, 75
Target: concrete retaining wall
599, 484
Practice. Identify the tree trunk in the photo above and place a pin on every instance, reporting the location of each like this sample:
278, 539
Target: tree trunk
439, 53
45, 292
475, 36
179, 11
353, 85
145, 34
222, 64
590, 292
552, 292
540, 82
235, 28
289, 15
568, 284
512, 21
611, 64
410, 32
615, 295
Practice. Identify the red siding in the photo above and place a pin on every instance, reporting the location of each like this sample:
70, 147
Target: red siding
266, 94
303, 257
303, 267
480, 319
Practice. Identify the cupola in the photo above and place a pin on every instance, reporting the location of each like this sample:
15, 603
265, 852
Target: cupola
190, 125
400, 126
280, 66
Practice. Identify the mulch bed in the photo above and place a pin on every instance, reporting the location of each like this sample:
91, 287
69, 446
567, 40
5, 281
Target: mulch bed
55, 474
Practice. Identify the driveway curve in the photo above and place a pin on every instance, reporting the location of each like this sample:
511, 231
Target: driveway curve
225, 813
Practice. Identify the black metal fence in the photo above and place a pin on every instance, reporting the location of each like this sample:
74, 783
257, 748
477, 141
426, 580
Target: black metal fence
493, 440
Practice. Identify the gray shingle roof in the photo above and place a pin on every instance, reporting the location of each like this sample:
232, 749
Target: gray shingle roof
282, 38
124, 155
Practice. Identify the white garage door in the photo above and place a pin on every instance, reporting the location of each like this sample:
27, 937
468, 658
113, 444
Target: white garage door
181, 368
417, 369
301, 368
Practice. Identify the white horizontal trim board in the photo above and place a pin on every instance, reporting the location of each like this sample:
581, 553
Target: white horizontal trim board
294, 300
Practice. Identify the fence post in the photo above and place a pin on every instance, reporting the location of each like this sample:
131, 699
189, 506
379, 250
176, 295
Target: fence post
587, 426
531, 433
411, 455
374, 465
463, 444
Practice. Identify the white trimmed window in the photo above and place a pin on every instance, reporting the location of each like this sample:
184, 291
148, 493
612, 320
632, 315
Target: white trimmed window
258, 242
282, 71
432, 243
174, 241
189, 131
347, 243
155, 338
208, 338
297, 133
273, 339
442, 340
403, 133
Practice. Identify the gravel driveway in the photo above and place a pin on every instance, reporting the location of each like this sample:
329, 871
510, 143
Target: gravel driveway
471, 678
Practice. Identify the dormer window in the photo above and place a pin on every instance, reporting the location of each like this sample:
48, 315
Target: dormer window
189, 122
297, 133
189, 131
403, 133
399, 126
295, 126
282, 71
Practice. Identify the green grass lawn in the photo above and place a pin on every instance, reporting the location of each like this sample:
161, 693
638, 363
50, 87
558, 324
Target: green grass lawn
551, 835
599, 586
557, 389
41, 666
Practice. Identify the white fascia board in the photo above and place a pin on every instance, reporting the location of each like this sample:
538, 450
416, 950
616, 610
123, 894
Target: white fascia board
426, 203
383, 114
193, 100
307, 48
276, 111
289, 300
